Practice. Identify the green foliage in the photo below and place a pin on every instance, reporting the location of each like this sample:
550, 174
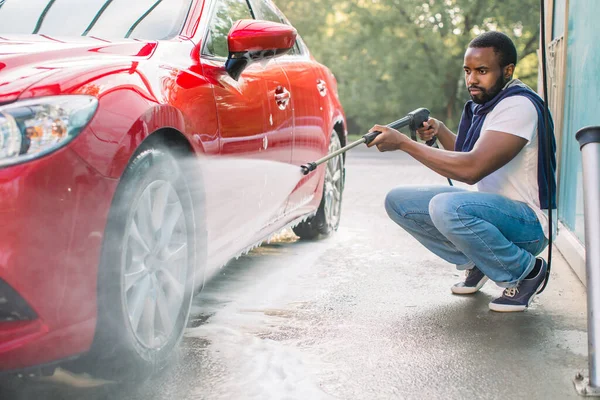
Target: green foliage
392, 56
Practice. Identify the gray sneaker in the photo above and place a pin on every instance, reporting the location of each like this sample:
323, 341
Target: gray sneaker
519, 298
474, 280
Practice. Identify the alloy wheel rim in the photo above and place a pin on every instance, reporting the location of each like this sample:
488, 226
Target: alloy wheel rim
155, 264
333, 185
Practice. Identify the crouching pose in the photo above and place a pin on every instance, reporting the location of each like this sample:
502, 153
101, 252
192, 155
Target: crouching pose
497, 231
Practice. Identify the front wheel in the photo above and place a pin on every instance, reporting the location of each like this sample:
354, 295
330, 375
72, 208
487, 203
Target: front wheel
145, 280
327, 218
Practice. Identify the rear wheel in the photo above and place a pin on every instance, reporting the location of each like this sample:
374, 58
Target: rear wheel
146, 276
327, 218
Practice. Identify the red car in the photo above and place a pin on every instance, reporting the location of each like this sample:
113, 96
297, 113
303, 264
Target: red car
143, 144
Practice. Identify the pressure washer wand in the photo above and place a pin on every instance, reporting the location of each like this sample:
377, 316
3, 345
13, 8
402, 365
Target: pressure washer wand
414, 120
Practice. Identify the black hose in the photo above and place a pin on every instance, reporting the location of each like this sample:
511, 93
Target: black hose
549, 172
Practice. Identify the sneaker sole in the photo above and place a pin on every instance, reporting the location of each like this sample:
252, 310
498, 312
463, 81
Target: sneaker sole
508, 308
469, 289
505, 308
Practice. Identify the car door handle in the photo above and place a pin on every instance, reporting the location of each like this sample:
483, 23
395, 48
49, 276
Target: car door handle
322, 87
282, 97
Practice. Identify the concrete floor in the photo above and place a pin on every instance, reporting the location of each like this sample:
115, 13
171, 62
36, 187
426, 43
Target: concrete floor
364, 314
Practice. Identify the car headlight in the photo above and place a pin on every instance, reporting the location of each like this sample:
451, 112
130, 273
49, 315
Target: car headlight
33, 128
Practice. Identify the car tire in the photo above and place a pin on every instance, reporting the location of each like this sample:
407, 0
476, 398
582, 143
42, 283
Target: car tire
147, 269
327, 218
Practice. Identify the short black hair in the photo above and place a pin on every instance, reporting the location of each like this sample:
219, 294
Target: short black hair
502, 44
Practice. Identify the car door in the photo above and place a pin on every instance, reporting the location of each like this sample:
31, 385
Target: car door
255, 115
308, 91
311, 138
256, 132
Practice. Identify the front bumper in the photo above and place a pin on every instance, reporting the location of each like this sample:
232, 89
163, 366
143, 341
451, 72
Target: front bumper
52, 215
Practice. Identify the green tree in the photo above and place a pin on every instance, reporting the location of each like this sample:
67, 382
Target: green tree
392, 56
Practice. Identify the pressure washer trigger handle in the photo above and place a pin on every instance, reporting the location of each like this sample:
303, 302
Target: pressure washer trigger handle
417, 118
413, 134
369, 137
431, 141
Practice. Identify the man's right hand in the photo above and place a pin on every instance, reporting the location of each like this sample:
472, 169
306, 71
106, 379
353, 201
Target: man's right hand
430, 129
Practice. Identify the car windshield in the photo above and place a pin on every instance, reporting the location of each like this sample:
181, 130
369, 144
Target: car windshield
138, 19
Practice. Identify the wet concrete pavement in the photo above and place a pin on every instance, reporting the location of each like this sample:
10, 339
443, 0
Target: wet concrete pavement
364, 314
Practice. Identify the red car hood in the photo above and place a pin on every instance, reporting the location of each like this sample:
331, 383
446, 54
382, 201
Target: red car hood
26, 59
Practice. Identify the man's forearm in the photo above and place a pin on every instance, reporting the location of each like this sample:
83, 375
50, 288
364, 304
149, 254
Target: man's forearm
450, 164
446, 137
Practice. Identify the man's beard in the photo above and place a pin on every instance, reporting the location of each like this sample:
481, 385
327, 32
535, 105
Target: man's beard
486, 95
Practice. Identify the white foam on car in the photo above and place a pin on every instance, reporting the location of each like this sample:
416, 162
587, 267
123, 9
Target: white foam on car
241, 196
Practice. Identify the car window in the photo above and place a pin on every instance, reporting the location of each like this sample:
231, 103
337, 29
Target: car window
227, 12
297, 49
265, 11
139, 19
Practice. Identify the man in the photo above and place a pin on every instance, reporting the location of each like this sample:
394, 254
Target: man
497, 231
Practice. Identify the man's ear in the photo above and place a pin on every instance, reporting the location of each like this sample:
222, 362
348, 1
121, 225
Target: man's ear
509, 70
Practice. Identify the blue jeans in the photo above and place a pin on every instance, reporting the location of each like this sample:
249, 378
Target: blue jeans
498, 235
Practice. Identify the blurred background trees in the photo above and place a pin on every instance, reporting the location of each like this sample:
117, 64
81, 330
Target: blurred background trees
392, 56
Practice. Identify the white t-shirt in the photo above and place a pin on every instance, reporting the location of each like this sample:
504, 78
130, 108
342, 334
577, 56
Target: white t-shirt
517, 180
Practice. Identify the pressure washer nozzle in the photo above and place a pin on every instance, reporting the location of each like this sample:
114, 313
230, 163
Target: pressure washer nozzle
306, 168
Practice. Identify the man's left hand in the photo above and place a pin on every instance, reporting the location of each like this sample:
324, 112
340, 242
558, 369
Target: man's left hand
388, 140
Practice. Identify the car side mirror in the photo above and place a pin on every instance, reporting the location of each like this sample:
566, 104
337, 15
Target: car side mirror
252, 40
